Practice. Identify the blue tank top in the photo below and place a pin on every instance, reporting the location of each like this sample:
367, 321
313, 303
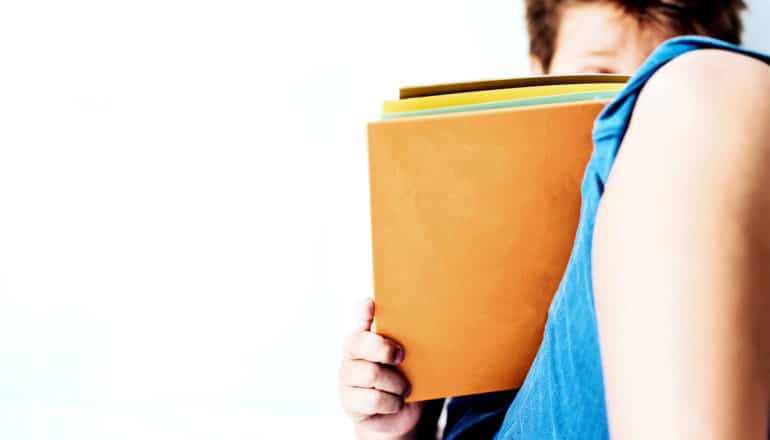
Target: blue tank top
563, 394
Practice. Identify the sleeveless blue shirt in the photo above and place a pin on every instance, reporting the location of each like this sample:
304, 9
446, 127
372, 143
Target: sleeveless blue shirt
563, 394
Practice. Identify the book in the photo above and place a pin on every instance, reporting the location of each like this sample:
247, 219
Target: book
473, 219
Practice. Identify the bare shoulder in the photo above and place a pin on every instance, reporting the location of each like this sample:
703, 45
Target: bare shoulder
709, 75
708, 62
706, 93
703, 116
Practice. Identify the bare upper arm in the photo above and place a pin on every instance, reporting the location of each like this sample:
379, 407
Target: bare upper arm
682, 255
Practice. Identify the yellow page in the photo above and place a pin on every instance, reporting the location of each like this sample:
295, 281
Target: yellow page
484, 96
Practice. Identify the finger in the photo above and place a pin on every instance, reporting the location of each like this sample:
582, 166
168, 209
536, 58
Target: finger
402, 421
372, 347
364, 315
364, 374
365, 402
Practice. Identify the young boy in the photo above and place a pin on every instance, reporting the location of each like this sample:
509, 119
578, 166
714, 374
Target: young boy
616, 36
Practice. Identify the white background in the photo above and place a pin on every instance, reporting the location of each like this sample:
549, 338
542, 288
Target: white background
184, 204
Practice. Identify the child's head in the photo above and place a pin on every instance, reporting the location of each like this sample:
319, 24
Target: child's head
615, 36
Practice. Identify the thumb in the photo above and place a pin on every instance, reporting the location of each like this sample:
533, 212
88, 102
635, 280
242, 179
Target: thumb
364, 315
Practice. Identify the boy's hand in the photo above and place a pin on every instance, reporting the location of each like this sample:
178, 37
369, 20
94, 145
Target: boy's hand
372, 389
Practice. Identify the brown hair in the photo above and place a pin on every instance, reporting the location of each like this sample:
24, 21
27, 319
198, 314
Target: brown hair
713, 18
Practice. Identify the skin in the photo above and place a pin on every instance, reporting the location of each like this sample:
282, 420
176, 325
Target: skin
681, 251
372, 390
592, 39
599, 39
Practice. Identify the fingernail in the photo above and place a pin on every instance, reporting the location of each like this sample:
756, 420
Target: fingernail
399, 355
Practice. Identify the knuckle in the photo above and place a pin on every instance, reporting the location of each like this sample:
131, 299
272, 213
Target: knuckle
370, 372
387, 353
399, 384
405, 387
377, 400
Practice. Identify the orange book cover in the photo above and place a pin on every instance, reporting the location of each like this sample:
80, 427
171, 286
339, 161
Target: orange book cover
473, 220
